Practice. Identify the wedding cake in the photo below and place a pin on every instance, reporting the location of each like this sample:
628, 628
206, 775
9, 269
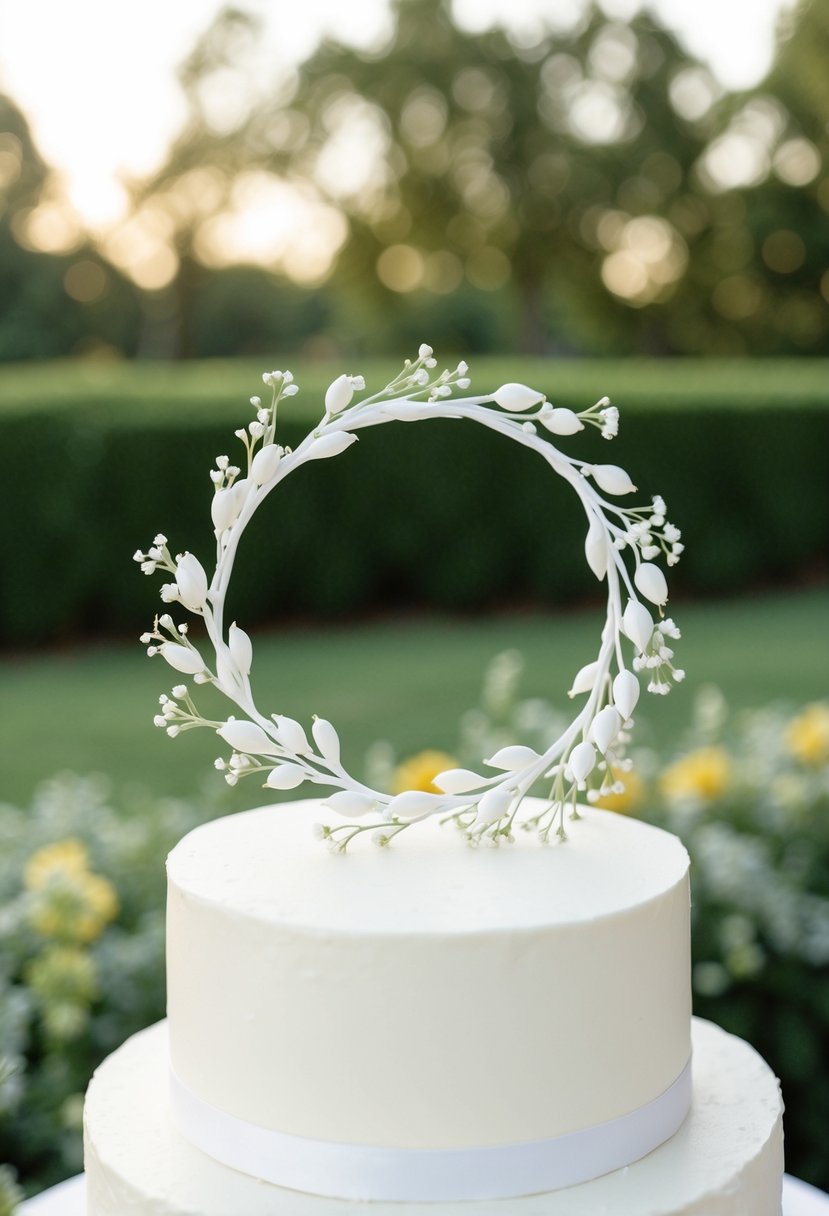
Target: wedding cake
433, 1025
433, 1022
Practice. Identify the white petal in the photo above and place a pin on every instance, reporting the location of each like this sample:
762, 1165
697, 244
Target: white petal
585, 679
561, 421
606, 726
582, 760
330, 445
650, 580
516, 397
513, 757
241, 649
265, 463
291, 735
339, 394
637, 624
285, 777
183, 658
625, 693
350, 803
458, 781
244, 736
191, 581
595, 548
327, 740
413, 804
612, 479
494, 805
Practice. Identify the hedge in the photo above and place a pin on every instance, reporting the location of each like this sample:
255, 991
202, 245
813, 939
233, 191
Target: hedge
97, 458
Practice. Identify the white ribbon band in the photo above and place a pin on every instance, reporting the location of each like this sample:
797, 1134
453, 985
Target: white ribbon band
361, 1172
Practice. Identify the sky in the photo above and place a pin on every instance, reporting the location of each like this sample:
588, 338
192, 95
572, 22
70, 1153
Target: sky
97, 82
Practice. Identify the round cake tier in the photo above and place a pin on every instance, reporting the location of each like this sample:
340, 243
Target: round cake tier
427, 996
726, 1159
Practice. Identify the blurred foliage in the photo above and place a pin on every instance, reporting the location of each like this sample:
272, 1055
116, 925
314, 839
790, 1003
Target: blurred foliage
99, 470
578, 190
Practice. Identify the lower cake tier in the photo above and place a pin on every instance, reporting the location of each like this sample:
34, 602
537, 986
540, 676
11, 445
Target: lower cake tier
726, 1159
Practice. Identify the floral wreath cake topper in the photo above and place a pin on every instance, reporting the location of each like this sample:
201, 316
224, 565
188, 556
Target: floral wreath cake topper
587, 756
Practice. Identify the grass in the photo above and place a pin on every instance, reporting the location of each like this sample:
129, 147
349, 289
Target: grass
403, 680
215, 387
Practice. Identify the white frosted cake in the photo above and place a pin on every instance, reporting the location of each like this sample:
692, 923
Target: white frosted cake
431, 1028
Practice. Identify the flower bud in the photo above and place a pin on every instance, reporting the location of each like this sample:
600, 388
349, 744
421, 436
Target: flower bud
625, 693
595, 548
191, 581
516, 397
244, 736
330, 445
493, 806
291, 735
241, 649
458, 781
582, 760
265, 463
650, 580
606, 726
611, 479
561, 421
637, 623
513, 757
327, 740
182, 658
224, 508
286, 777
338, 394
585, 679
412, 805
350, 803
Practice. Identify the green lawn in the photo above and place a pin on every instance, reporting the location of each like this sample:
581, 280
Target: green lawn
406, 681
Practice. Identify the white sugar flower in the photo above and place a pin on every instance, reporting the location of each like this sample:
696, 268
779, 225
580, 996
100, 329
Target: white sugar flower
183, 658
610, 478
637, 623
561, 421
516, 397
191, 580
265, 463
650, 580
339, 394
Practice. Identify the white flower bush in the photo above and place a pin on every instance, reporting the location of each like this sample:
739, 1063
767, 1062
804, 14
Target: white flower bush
621, 544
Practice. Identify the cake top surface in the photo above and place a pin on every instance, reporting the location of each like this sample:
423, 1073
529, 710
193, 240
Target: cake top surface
267, 864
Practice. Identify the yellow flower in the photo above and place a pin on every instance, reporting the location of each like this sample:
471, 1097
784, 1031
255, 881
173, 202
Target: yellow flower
807, 735
64, 857
703, 774
630, 797
419, 772
69, 903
